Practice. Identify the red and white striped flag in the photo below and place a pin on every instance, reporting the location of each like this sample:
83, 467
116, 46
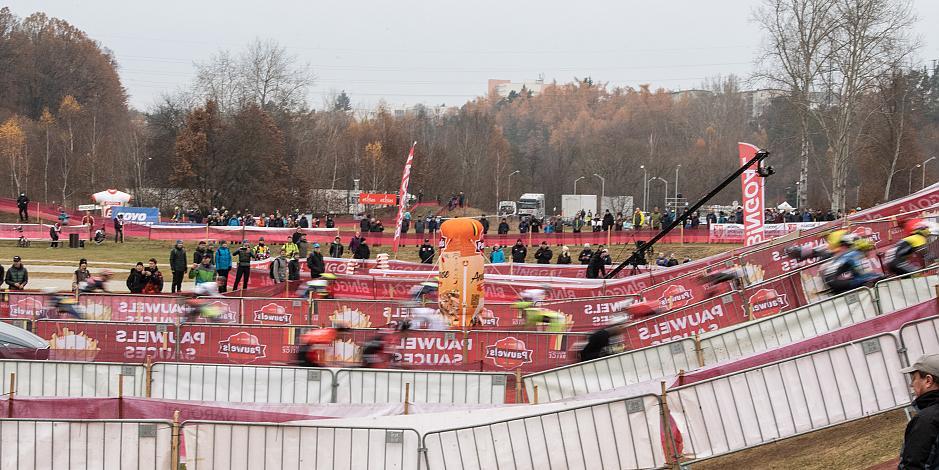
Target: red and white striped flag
402, 194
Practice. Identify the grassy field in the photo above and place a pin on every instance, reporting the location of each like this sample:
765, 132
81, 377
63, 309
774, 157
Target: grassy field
141, 250
864, 443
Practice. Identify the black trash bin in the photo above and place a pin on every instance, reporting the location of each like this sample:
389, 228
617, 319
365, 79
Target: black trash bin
73, 240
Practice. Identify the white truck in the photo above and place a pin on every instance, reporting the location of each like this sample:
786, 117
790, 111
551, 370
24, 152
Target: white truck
507, 208
531, 204
571, 204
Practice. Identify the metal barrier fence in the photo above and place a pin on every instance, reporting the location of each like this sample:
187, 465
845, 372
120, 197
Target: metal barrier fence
623, 433
789, 327
71, 379
393, 386
657, 362
790, 397
48, 443
607, 373
920, 337
901, 292
246, 384
216, 445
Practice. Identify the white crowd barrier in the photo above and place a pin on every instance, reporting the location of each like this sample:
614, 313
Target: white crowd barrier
920, 337
388, 386
902, 292
247, 446
788, 327
790, 397
618, 434
657, 362
72, 379
246, 384
607, 373
80, 444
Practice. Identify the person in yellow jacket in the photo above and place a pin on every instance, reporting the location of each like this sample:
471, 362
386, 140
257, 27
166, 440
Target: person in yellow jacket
290, 248
639, 219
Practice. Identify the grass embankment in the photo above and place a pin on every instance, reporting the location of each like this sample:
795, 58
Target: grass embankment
864, 443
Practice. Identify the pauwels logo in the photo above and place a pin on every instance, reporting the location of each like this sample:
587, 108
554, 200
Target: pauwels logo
766, 302
509, 353
675, 296
242, 347
272, 313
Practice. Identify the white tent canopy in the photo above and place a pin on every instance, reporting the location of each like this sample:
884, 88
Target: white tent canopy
785, 206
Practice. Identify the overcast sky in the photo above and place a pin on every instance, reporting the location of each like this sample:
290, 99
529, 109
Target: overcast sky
435, 52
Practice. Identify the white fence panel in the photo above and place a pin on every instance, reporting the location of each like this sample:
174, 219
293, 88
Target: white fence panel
788, 327
789, 397
899, 293
244, 446
52, 444
920, 337
612, 435
246, 384
618, 370
388, 386
72, 379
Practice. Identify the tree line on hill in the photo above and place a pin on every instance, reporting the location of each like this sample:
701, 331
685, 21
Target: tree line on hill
845, 115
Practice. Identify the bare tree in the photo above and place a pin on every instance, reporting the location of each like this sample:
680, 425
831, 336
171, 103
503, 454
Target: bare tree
264, 74
872, 38
794, 58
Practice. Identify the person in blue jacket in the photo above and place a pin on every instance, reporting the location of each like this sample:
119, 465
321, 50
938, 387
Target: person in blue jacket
223, 265
497, 256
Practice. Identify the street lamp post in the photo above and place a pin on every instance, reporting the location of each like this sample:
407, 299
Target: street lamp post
602, 192
509, 194
909, 190
575, 184
676, 180
645, 191
924, 170
666, 187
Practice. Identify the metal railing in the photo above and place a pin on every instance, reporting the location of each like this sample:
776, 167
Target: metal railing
64, 443
237, 383
617, 434
788, 327
618, 370
396, 386
71, 379
216, 445
789, 397
901, 292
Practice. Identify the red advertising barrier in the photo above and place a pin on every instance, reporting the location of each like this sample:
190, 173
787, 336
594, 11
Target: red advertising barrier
378, 198
272, 235
708, 315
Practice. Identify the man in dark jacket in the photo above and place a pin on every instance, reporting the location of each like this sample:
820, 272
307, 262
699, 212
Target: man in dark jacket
519, 252
544, 254
315, 261
920, 443
426, 252
244, 255
585, 254
22, 203
608, 220
596, 268
199, 253
136, 281
485, 223
336, 248
17, 277
178, 266
365, 224
362, 251
503, 227
119, 228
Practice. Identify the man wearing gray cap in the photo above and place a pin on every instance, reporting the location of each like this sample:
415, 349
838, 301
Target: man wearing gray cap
920, 439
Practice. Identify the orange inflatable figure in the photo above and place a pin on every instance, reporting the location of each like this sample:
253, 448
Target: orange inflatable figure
461, 270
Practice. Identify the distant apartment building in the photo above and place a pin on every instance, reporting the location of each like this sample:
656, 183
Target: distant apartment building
504, 87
